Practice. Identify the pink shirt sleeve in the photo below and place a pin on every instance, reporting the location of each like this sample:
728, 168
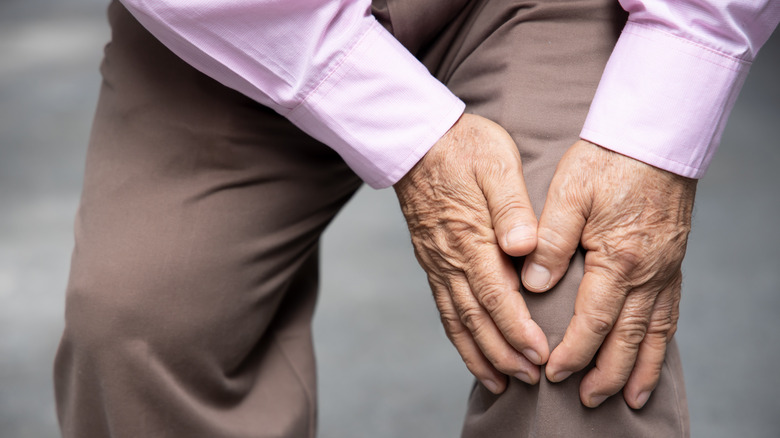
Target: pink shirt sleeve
674, 76
326, 65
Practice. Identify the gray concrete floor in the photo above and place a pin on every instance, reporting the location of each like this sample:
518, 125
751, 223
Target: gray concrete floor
386, 369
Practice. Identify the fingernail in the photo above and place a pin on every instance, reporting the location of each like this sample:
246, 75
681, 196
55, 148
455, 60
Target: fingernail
522, 375
491, 385
597, 400
532, 356
642, 398
561, 375
518, 235
537, 277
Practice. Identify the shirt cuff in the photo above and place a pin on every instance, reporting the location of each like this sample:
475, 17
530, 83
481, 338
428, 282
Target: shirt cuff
664, 100
380, 109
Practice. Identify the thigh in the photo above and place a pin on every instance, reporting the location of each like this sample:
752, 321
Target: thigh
533, 67
195, 268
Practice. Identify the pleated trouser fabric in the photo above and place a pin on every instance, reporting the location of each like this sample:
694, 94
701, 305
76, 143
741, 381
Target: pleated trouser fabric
194, 275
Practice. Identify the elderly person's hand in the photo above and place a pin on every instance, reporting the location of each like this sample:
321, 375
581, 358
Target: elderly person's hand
466, 206
633, 220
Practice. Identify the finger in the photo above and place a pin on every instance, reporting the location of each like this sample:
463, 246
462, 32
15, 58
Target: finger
510, 208
618, 354
464, 343
652, 350
496, 288
596, 308
488, 337
558, 235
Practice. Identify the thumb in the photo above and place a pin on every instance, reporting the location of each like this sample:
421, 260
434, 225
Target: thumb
558, 236
514, 221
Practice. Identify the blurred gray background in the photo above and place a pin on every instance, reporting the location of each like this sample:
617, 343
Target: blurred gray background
386, 369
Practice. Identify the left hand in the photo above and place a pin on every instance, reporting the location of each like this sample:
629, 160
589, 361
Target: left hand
633, 219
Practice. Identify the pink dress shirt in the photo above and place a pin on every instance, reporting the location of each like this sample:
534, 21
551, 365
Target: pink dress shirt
331, 69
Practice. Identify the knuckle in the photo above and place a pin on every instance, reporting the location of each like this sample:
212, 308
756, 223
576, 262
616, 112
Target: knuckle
630, 338
656, 343
629, 256
555, 243
662, 324
451, 323
599, 323
465, 240
633, 324
471, 318
626, 257
492, 298
509, 208
664, 319
460, 230
431, 250
451, 243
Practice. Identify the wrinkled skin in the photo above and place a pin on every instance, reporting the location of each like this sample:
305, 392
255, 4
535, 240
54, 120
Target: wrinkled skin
467, 208
633, 220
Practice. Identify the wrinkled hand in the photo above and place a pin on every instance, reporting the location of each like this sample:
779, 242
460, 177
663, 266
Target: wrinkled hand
633, 219
467, 207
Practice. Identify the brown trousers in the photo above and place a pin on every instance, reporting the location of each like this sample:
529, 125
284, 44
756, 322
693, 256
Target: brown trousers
194, 273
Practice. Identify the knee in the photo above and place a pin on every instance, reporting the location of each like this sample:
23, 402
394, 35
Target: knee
111, 305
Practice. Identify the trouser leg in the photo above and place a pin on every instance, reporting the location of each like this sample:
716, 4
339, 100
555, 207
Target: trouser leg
194, 274
533, 67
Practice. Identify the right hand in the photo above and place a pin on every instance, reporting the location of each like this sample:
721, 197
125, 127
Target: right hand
467, 209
